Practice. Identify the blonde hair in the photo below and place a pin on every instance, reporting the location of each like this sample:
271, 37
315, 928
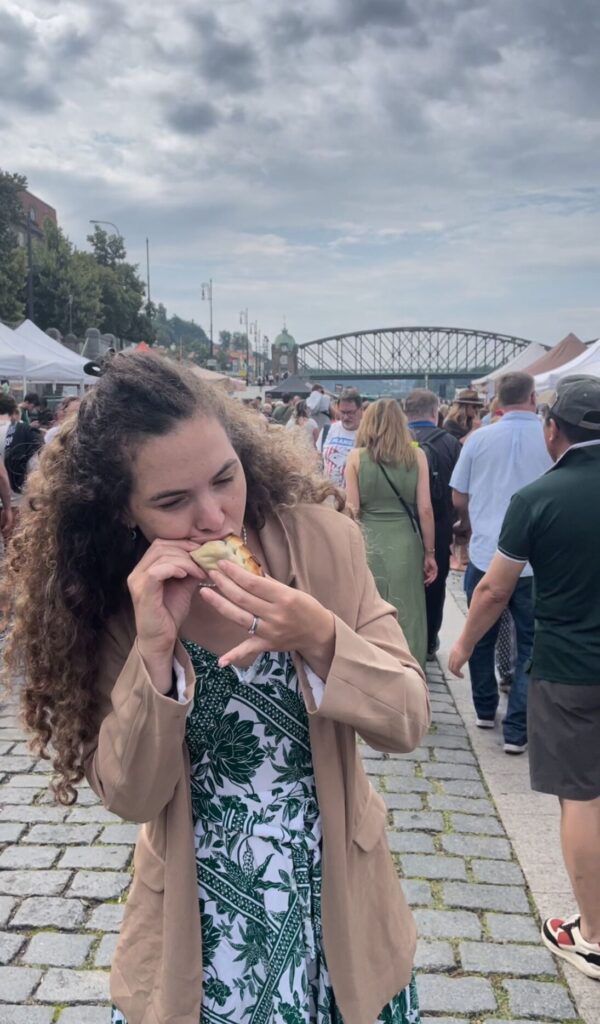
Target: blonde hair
384, 433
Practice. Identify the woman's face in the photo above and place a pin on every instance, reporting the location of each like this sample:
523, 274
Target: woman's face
188, 484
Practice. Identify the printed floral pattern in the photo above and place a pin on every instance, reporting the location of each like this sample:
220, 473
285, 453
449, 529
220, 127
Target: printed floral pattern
258, 850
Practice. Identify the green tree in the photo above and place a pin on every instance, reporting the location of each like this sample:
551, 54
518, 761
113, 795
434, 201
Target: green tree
124, 309
108, 250
12, 256
66, 284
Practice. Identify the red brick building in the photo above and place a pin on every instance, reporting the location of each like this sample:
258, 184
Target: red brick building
36, 211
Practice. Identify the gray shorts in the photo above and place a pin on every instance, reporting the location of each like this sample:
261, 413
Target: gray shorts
563, 728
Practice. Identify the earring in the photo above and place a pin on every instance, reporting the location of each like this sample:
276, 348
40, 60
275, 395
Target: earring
134, 533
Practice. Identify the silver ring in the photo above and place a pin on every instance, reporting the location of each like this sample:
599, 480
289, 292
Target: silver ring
254, 626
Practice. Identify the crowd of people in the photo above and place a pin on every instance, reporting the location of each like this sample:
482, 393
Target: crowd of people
220, 707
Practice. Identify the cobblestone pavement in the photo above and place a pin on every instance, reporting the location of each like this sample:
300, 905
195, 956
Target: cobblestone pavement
64, 874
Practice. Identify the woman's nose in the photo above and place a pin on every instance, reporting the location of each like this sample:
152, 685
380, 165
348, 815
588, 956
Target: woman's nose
210, 518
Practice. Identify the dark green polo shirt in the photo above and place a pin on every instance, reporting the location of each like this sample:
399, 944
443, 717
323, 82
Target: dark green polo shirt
554, 523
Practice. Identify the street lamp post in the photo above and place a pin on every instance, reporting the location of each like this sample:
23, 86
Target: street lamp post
110, 224
244, 321
207, 293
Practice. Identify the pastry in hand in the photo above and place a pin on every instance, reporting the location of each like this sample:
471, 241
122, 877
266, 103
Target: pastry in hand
232, 549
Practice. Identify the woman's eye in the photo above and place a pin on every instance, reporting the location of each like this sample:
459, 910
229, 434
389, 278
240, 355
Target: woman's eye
172, 504
223, 480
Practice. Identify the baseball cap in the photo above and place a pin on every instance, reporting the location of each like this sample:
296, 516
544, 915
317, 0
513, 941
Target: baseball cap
578, 402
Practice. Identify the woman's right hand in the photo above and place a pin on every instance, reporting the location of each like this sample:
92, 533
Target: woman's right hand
161, 587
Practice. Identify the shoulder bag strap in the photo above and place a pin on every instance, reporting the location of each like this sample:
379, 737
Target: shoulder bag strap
411, 515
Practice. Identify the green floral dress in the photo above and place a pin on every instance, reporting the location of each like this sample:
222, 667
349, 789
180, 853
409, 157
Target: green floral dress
258, 850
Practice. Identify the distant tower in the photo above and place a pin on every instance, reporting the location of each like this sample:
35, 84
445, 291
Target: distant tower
284, 352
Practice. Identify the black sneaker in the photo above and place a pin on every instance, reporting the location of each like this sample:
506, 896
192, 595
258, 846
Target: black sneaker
564, 939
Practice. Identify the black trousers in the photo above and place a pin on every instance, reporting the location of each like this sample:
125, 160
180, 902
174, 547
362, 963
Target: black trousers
435, 595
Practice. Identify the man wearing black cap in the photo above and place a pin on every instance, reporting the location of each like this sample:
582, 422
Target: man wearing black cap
553, 524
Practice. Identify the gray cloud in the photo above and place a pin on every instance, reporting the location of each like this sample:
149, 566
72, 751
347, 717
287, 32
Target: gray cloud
399, 154
192, 118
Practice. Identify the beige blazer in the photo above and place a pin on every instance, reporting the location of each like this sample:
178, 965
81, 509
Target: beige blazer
139, 767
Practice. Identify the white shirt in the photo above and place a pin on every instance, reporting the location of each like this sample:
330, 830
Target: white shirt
339, 442
495, 462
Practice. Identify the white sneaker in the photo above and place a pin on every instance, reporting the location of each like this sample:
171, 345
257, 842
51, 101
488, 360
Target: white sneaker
485, 723
515, 748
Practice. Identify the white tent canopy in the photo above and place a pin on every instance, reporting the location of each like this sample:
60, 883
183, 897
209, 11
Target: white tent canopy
19, 361
588, 363
521, 361
45, 361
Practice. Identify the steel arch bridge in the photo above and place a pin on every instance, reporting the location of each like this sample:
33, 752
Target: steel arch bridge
408, 352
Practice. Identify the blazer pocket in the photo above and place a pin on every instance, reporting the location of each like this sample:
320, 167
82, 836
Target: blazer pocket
371, 825
149, 867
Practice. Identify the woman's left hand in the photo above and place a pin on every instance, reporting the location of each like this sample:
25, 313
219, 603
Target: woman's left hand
287, 619
430, 570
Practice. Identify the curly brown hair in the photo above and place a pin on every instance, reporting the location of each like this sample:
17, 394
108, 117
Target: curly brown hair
70, 557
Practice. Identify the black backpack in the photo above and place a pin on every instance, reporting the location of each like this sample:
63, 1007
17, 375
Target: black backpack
22, 442
436, 486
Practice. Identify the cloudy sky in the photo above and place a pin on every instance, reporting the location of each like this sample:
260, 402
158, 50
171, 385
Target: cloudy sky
345, 164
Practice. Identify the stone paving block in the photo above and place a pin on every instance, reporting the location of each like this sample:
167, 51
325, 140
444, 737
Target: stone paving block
494, 958
10, 732
453, 756
28, 857
10, 831
86, 796
478, 824
503, 873
20, 797
410, 842
67, 986
10, 944
100, 885
418, 754
58, 949
435, 956
27, 1014
7, 905
93, 1015
107, 857
445, 717
106, 918
432, 770
63, 835
126, 833
403, 801
26, 781
512, 928
427, 821
17, 983
451, 742
418, 894
464, 787
11, 764
436, 866
449, 730
389, 767
21, 748
476, 846
438, 992
448, 924
539, 999
445, 1020
6, 746
95, 812
49, 912
33, 883
106, 951
439, 802
33, 815
486, 897
404, 785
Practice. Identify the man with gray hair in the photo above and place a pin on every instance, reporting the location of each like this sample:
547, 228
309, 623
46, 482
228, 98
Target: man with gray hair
495, 462
442, 452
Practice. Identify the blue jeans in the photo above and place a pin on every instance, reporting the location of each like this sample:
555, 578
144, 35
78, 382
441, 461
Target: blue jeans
481, 663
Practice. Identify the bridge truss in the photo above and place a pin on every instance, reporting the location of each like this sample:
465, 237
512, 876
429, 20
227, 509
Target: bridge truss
407, 352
